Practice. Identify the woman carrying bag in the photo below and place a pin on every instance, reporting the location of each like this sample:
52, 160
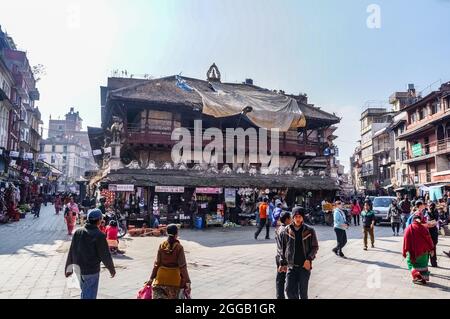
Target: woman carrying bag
170, 273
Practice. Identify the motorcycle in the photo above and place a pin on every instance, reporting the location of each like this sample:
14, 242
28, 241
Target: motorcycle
315, 216
118, 218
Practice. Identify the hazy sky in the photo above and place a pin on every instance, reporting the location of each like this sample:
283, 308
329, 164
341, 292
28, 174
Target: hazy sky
321, 47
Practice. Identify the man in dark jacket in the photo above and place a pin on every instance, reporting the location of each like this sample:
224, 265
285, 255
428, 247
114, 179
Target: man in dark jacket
89, 247
300, 247
285, 219
405, 207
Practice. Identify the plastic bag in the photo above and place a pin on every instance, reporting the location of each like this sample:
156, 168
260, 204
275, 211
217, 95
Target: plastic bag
146, 292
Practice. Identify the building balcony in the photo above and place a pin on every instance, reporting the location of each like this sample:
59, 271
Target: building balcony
384, 148
161, 137
421, 178
367, 173
427, 151
423, 152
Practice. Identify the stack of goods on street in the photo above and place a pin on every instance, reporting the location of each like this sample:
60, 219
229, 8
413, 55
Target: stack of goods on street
147, 232
230, 225
214, 219
24, 209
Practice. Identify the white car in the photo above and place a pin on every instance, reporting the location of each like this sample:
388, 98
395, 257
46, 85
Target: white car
381, 208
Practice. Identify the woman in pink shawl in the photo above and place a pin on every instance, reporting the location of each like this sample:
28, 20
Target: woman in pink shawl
70, 215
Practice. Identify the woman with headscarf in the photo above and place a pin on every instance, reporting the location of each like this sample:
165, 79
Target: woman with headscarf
417, 247
70, 215
170, 273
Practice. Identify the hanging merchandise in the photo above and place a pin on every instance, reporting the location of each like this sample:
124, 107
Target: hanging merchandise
109, 197
156, 206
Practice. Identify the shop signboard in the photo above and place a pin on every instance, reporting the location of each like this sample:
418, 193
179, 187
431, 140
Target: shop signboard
230, 197
417, 150
208, 190
121, 188
169, 189
14, 154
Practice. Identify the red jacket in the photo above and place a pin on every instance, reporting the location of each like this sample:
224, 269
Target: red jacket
111, 233
356, 209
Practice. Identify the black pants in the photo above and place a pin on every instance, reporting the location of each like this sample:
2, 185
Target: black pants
395, 226
404, 218
356, 218
37, 211
341, 236
262, 222
281, 283
435, 238
297, 280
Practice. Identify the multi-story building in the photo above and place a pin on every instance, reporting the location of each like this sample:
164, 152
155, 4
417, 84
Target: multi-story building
67, 148
427, 138
24, 97
6, 107
399, 101
356, 169
372, 121
144, 113
383, 155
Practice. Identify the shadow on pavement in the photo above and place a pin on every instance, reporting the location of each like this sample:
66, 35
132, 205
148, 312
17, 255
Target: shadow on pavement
245, 235
378, 263
435, 285
29, 232
122, 257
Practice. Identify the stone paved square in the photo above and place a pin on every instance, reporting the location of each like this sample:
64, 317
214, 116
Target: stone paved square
223, 264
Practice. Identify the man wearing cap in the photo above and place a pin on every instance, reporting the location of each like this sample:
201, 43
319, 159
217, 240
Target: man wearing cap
89, 247
285, 220
300, 246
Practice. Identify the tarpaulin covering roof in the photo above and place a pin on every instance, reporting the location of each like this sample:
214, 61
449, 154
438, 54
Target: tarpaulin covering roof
269, 110
165, 91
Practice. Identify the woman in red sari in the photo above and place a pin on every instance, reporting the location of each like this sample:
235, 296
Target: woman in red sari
70, 215
58, 204
417, 247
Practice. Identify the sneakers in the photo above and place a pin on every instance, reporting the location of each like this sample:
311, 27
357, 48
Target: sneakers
365, 248
267, 238
342, 255
334, 250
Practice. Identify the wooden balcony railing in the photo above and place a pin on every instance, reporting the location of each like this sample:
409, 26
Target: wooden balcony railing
439, 146
162, 136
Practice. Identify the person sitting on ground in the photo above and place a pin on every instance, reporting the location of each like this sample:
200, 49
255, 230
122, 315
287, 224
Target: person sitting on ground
112, 232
